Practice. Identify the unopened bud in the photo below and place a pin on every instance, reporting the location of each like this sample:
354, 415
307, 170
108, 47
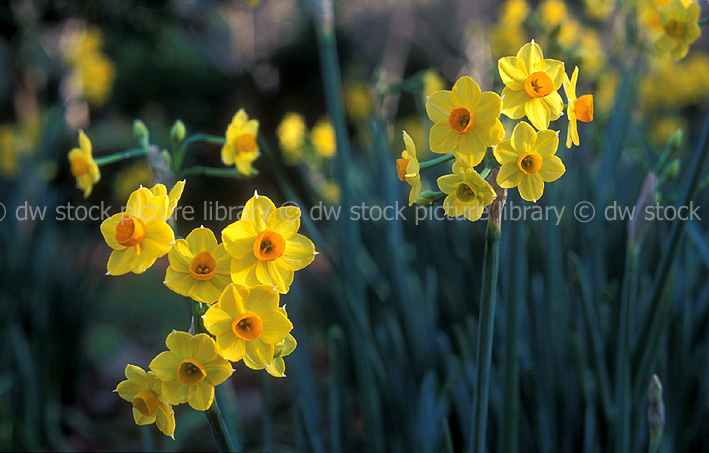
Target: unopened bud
177, 132
428, 198
140, 132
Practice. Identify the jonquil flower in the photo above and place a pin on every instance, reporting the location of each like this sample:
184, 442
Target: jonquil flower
468, 193
580, 109
466, 121
241, 148
265, 246
248, 324
528, 161
144, 391
190, 369
531, 84
199, 267
408, 168
323, 138
680, 27
83, 165
277, 368
291, 136
140, 234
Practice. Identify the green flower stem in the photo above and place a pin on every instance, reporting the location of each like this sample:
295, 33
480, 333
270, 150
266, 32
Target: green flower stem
230, 172
703, 21
658, 311
486, 321
105, 160
214, 413
437, 161
195, 138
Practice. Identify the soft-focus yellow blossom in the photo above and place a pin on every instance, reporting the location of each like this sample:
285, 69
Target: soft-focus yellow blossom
605, 93
528, 161
9, 159
277, 368
248, 324
580, 109
531, 85
323, 138
241, 148
408, 168
358, 101
199, 267
265, 245
330, 192
514, 12
144, 391
81, 43
466, 121
468, 193
598, 9
505, 39
680, 27
665, 127
291, 137
190, 369
553, 13
83, 165
649, 15
140, 235
130, 178
690, 85
591, 52
97, 73
432, 82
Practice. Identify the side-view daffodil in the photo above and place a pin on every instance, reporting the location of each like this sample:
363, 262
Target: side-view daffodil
580, 109
144, 391
468, 193
408, 168
83, 165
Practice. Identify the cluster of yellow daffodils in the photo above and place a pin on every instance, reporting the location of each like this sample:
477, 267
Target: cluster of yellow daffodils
242, 278
295, 141
466, 124
92, 72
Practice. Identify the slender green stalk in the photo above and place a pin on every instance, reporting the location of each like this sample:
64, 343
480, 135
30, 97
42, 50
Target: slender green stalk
195, 138
437, 161
623, 394
648, 340
703, 21
486, 320
214, 413
230, 172
105, 160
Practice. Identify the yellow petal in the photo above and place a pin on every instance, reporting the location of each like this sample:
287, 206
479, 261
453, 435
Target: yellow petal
217, 320
257, 210
448, 183
490, 106
179, 343
509, 175
443, 139
470, 147
465, 92
504, 152
141, 419
205, 291
531, 54
439, 106
218, 371
108, 230
181, 283
123, 261
489, 131
299, 252
513, 103
180, 256
200, 396
260, 354
275, 273
277, 367
554, 69
174, 392
262, 298
239, 238
244, 271
165, 366
552, 169
531, 187
200, 240
572, 134
523, 138
538, 113
284, 221
166, 420
555, 104
513, 72
547, 143
231, 347
275, 327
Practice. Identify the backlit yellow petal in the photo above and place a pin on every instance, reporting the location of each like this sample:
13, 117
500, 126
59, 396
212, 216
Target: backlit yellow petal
443, 139
532, 187
538, 113
275, 326
552, 169
466, 92
513, 72
439, 106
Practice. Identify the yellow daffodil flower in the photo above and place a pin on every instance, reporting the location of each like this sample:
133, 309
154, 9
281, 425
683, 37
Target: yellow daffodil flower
241, 148
144, 391
323, 138
199, 267
291, 137
248, 324
528, 161
408, 168
277, 368
358, 101
83, 165
580, 109
173, 197
531, 85
190, 369
680, 27
553, 13
514, 12
468, 193
465, 121
140, 234
265, 246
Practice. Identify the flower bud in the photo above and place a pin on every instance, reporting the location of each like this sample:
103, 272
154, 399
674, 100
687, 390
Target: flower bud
140, 132
177, 132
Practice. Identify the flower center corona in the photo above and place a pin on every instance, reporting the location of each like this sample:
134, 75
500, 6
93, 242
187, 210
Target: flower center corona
584, 108
461, 120
466, 192
529, 163
79, 166
675, 28
247, 326
130, 231
191, 372
401, 165
269, 246
203, 266
538, 85
246, 143
146, 402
